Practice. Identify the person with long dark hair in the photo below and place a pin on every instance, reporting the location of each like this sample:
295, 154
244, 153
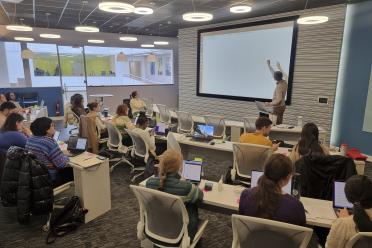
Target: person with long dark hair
77, 104
11, 133
358, 191
268, 200
147, 135
11, 97
309, 143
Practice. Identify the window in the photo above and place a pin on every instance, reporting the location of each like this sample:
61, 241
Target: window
11, 69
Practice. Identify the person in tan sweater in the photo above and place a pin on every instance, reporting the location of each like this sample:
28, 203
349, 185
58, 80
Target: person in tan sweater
358, 192
309, 143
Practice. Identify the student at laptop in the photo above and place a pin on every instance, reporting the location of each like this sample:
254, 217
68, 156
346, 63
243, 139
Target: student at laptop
268, 200
309, 143
170, 181
11, 97
6, 109
122, 121
11, 133
47, 151
94, 112
263, 128
136, 103
147, 136
74, 110
358, 192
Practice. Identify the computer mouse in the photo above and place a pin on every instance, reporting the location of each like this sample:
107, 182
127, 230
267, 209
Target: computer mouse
212, 143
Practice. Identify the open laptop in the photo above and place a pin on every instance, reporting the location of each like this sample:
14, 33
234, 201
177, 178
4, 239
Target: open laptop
76, 145
257, 174
203, 133
56, 136
192, 171
160, 128
339, 198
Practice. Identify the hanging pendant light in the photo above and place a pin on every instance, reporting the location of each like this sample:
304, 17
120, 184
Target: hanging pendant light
151, 58
121, 57
308, 19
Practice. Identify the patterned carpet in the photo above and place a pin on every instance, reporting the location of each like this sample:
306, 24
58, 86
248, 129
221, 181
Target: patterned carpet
117, 228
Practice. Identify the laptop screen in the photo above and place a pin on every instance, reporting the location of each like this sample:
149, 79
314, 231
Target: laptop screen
206, 130
339, 197
77, 143
56, 135
160, 127
81, 144
257, 174
192, 170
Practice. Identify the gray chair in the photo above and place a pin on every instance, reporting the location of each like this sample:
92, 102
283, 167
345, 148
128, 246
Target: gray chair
185, 122
172, 143
164, 113
360, 240
249, 124
164, 219
248, 157
218, 123
140, 150
256, 232
149, 107
115, 145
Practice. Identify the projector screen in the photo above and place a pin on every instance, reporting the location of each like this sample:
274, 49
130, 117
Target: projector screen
232, 60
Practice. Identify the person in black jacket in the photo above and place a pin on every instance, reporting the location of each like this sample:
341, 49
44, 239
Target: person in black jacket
26, 184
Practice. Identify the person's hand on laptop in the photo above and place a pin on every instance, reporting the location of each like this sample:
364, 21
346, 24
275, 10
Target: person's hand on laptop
342, 213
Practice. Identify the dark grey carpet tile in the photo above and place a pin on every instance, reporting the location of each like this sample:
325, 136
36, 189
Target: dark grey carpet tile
118, 227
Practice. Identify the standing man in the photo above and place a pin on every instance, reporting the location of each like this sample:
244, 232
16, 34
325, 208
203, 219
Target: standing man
278, 102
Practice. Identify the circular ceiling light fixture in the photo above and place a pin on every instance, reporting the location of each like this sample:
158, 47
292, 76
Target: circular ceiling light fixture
87, 29
50, 36
128, 38
197, 17
96, 41
116, 7
161, 43
19, 28
143, 10
147, 45
23, 39
308, 20
240, 9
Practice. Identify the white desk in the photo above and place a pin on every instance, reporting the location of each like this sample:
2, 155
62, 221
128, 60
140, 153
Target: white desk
92, 184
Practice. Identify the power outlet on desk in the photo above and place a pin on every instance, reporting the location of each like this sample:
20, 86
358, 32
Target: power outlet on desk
323, 99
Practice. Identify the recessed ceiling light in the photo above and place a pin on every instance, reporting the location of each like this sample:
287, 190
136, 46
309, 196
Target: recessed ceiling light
23, 38
128, 38
50, 36
19, 28
116, 7
147, 45
96, 41
312, 20
197, 17
161, 43
87, 29
143, 10
240, 9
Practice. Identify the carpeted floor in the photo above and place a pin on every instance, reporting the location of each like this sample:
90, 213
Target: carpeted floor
117, 228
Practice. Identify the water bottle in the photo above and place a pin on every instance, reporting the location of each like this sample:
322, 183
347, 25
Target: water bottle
296, 185
299, 121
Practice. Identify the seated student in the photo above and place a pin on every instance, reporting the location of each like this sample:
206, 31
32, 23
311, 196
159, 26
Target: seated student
169, 181
47, 151
136, 103
94, 112
309, 143
263, 128
6, 109
11, 133
268, 200
2, 98
358, 191
147, 135
77, 105
121, 119
11, 97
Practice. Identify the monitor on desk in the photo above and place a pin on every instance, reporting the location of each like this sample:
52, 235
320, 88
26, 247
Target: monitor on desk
257, 174
192, 170
205, 130
339, 197
160, 128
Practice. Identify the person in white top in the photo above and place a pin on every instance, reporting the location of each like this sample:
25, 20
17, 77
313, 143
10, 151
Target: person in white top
147, 136
136, 103
278, 102
94, 112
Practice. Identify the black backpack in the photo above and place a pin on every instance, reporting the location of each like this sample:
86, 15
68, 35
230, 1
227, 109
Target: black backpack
66, 220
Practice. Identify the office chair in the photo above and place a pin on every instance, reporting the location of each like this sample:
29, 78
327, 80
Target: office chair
139, 151
172, 143
164, 113
149, 107
164, 219
360, 240
248, 157
249, 124
185, 122
256, 232
218, 123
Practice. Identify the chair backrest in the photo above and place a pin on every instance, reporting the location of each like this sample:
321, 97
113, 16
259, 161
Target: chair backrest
127, 102
149, 107
140, 148
88, 130
256, 232
172, 142
218, 123
185, 122
114, 136
360, 240
163, 216
248, 157
249, 124
164, 113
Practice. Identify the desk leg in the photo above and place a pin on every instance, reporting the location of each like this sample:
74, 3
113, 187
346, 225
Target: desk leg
235, 134
92, 185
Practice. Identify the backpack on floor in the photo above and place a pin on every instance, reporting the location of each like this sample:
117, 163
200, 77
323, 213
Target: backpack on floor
68, 219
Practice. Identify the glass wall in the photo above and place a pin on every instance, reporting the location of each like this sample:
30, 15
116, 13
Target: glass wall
11, 66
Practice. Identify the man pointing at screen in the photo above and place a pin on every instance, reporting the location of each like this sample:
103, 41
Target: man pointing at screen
278, 102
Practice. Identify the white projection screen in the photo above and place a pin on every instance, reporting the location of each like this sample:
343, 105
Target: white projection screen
232, 60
